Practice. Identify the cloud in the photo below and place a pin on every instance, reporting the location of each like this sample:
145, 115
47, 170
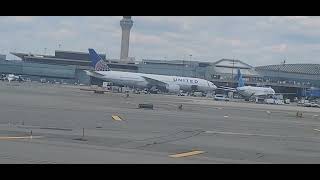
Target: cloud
24, 19
139, 38
256, 40
17, 19
63, 33
229, 42
278, 48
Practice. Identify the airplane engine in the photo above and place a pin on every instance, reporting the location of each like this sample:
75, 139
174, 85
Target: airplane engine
173, 88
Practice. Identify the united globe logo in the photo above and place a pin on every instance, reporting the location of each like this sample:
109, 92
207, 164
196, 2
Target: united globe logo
102, 66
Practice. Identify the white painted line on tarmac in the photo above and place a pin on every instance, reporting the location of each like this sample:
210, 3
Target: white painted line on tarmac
19, 137
242, 134
116, 118
186, 154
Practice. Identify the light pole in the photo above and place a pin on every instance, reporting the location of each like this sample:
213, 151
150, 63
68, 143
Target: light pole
190, 64
232, 69
232, 80
184, 66
283, 64
278, 74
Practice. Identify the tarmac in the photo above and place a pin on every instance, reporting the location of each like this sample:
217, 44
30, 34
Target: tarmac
50, 123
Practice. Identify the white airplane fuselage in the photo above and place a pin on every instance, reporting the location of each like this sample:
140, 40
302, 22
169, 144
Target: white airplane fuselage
249, 91
174, 83
12, 77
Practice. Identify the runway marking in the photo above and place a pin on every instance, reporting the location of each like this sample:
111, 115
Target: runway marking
19, 137
317, 130
243, 134
225, 116
191, 153
116, 118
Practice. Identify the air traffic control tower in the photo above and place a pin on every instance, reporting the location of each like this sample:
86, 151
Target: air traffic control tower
126, 24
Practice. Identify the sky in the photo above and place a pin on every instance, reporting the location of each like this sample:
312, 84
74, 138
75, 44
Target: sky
256, 40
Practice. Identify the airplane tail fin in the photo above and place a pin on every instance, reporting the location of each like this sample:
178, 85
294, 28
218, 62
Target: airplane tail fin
240, 80
97, 62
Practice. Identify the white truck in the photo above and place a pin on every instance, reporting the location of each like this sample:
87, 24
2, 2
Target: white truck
106, 84
269, 101
279, 101
287, 101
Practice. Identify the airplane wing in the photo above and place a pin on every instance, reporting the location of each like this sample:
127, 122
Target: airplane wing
155, 82
94, 74
284, 93
227, 89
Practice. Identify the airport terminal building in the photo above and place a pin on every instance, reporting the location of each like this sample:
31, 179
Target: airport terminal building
2, 57
64, 66
296, 74
290, 78
68, 66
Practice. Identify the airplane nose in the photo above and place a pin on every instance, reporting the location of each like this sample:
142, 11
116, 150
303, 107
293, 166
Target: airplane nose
214, 87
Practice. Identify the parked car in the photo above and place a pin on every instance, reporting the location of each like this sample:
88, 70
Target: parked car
307, 104
221, 97
313, 104
269, 101
183, 94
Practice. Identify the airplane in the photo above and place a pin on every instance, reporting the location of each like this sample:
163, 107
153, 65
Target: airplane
249, 91
12, 77
171, 84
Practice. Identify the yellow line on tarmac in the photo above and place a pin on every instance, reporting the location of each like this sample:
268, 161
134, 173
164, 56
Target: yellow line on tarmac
21, 137
116, 118
191, 153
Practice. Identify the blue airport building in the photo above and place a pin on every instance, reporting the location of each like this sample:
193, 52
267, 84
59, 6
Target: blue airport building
68, 66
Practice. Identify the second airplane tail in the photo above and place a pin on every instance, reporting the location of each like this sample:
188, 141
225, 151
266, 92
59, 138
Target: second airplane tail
97, 62
240, 80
